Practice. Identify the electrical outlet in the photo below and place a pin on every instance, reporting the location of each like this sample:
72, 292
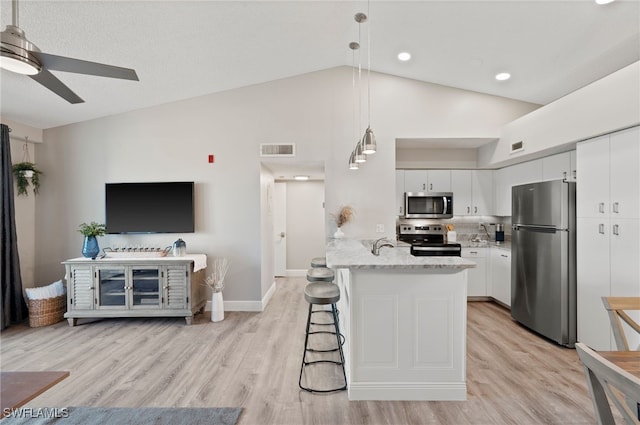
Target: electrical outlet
379, 228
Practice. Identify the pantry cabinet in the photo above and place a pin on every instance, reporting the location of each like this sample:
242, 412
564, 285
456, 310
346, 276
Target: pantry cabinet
608, 231
158, 287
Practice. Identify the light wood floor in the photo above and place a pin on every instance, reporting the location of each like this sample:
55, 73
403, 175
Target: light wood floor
252, 360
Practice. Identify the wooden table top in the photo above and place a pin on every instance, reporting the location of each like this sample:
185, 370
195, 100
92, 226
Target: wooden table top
18, 388
627, 360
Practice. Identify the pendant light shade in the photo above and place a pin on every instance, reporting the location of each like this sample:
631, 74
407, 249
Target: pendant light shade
353, 165
359, 155
369, 142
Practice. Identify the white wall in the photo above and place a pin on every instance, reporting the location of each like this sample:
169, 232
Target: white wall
25, 206
609, 104
305, 223
172, 141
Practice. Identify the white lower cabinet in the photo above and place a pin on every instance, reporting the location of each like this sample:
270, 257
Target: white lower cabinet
477, 276
500, 281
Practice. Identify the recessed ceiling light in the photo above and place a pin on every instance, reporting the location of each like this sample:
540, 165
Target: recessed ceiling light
404, 56
301, 177
503, 76
604, 1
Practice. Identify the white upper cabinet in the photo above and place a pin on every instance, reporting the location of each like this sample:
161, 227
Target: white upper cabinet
506, 178
610, 181
593, 190
472, 192
559, 167
427, 181
400, 192
625, 174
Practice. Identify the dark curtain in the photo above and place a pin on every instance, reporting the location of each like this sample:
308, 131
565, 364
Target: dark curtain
12, 303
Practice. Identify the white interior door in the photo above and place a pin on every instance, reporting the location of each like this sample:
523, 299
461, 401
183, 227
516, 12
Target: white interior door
280, 229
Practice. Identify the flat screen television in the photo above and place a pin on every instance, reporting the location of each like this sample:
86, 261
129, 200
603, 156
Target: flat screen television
164, 207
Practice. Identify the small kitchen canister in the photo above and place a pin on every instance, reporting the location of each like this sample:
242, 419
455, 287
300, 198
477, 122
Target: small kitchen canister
499, 232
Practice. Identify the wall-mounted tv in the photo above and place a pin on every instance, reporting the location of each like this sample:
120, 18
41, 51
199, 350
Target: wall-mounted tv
164, 207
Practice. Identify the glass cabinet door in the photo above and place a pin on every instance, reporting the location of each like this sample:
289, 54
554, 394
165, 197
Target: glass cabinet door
145, 287
112, 284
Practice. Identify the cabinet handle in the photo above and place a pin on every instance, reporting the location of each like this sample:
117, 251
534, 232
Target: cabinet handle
616, 207
575, 175
505, 256
601, 229
601, 207
473, 252
431, 186
475, 210
468, 210
564, 176
616, 230
424, 186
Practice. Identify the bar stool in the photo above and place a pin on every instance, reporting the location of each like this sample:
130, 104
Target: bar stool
320, 274
318, 262
322, 293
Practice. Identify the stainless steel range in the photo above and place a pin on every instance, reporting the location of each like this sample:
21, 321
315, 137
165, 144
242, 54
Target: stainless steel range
428, 240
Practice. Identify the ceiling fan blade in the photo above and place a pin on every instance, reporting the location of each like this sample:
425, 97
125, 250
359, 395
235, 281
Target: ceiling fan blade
50, 81
62, 63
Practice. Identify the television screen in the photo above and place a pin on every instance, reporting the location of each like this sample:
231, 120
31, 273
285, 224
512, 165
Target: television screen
165, 207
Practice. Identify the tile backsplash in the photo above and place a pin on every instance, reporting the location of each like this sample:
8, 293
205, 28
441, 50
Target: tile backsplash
468, 228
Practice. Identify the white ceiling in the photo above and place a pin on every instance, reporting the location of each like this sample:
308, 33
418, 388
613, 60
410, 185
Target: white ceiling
183, 49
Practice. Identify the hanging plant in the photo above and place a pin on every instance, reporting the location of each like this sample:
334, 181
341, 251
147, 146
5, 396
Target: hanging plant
25, 172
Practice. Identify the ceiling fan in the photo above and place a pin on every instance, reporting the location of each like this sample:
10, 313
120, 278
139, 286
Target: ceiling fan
20, 55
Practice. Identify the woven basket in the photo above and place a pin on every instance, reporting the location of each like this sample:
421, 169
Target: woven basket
47, 311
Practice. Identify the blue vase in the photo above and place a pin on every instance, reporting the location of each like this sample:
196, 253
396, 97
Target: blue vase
90, 248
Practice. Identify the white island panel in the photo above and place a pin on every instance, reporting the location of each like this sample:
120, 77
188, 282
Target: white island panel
406, 333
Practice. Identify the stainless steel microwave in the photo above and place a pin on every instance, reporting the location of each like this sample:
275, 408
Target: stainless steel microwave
428, 205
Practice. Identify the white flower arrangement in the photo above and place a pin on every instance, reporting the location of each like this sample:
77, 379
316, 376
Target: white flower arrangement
219, 269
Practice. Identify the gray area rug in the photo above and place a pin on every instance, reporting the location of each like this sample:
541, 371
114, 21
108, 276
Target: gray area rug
123, 416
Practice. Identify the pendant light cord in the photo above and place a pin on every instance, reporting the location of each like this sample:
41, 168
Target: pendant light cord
369, 62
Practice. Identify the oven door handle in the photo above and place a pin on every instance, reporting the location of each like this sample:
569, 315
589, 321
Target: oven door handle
435, 248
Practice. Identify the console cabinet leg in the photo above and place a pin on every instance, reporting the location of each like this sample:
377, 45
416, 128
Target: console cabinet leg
188, 319
72, 321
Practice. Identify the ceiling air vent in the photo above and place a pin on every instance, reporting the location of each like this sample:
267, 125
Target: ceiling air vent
274, 149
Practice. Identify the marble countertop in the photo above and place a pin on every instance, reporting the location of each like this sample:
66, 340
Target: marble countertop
486, 244
356, 254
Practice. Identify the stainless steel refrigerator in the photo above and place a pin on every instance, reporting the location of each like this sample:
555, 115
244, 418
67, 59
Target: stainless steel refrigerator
543, 259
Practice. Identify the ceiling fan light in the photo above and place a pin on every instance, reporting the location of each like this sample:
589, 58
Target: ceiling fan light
18, 64
369, 142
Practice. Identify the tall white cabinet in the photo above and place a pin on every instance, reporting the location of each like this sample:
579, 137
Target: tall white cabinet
608, 233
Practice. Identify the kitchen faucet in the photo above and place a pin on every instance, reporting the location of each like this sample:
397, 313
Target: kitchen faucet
486, 231
375, 249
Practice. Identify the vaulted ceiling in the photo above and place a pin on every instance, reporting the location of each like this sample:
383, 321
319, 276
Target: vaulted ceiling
184, 49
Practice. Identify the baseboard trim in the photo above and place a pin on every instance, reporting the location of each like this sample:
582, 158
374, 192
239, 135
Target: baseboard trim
408, 391
248, 305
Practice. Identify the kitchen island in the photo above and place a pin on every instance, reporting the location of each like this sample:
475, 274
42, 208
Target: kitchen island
404, 319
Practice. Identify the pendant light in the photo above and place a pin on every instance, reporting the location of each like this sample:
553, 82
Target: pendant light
356, 157
369, 140
358, 153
